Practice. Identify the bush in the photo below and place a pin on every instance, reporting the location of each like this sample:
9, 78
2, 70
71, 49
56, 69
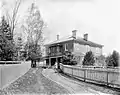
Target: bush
73, 62
113, 59
68, 59
89, 59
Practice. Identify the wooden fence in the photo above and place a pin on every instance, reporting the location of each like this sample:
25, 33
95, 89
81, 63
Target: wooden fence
109, 77
10, 72
10, 62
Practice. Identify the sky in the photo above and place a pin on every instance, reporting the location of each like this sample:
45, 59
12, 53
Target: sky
99, 18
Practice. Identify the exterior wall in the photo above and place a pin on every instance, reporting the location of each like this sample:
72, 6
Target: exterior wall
98, 51
68, 46
72, 47
80, 50
59, 49
56, 51
77, 49
85, 48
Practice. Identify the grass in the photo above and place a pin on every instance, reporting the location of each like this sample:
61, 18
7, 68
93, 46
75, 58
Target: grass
33, 82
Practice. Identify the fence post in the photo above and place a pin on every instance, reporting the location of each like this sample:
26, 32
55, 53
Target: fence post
1, 77
84, 75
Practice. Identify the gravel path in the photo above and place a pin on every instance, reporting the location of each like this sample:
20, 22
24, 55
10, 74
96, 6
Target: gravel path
33, 82
79, 87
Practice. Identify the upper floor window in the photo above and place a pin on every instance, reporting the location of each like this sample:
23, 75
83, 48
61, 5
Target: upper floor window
60, 48
66, 47
48, 50
98, 50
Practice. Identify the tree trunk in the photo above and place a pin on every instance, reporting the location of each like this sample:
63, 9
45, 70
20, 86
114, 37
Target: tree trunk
31, 63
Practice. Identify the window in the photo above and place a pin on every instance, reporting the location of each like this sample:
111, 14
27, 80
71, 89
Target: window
98, 50
66, 47
48, 50
58, 49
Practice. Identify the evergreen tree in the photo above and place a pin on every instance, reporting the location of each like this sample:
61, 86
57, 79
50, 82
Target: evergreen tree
113, 59
67, 58
6, 46
19, 46
89, 59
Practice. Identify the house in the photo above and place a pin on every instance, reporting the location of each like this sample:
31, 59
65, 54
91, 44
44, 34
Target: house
76, 45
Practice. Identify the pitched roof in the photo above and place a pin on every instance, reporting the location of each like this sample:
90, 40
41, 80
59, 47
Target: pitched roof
78, 39
64, 39
90, 43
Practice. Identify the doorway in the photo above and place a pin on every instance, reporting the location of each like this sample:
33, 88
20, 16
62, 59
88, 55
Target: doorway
47, 62
53, 60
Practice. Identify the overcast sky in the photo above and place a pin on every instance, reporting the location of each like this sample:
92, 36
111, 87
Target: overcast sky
99, 18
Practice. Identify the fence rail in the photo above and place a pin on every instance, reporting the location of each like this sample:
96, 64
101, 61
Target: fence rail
109, 77
10, 62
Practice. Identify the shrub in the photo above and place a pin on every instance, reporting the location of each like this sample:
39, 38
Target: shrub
113, 59
89, 59
68, 59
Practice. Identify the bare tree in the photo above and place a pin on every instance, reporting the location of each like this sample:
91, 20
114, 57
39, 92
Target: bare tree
34, 26
12, 16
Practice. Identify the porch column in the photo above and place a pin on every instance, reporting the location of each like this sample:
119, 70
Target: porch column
45, 62
58, 64
57, 61
49, 62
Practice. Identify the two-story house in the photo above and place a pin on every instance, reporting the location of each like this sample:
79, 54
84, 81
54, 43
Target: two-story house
76, 45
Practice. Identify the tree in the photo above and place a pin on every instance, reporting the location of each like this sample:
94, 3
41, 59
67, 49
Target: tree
100, 60
12, 15
109, 61
113, 59
19, 46
34, 26
89, 59
67, 58
7, 48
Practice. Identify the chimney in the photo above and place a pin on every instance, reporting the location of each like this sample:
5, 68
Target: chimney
74, 33
86, 36
57, 37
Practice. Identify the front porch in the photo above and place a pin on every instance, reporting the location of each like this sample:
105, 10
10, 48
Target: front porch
52, 60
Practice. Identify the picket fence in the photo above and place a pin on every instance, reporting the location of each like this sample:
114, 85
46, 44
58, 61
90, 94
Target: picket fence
105, 76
